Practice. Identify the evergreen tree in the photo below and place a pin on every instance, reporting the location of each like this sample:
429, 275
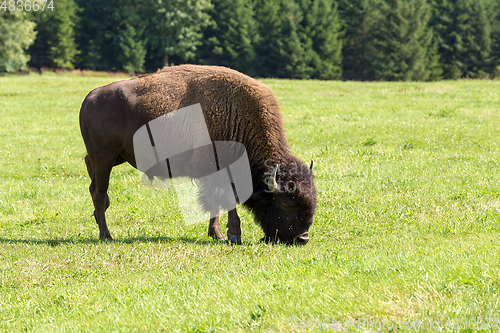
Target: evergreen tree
435, 68
359, 18
388, 40
492, 8
173, 29
16, 35
98, 35
133, 51
402, 39
495, 39
320, 32
298, 56
464, 36
108, 36
269, 47
280, 50
55, 45
231, 37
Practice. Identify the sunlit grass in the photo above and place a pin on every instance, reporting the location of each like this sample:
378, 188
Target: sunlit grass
407, 226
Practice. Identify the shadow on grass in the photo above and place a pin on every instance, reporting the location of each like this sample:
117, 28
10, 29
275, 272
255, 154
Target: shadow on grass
145, 239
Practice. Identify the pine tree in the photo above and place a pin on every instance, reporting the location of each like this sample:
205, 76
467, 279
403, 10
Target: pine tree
230, 38
402, 39
495, 39
359, 17
98, 34
133, 52
55, 44
492, 8
173, 29
320, 33
16, 35
280, 50
269, 47
298, 56
464, 36
108, 36
435, 67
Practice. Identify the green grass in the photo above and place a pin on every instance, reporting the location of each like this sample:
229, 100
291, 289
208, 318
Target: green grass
407, 228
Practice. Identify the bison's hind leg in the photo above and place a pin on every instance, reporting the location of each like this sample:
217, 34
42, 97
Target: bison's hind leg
99, 176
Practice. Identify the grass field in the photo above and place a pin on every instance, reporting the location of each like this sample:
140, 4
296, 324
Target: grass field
407, 227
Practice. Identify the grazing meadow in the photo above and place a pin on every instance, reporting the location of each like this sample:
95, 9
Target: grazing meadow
407, 228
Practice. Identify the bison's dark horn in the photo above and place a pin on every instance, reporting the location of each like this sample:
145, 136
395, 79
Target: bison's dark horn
311, 167
273, 184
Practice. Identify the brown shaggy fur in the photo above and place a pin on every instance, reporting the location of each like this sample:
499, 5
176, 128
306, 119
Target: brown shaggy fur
236, 108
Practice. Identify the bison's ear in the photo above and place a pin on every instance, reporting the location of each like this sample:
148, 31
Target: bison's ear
311, 167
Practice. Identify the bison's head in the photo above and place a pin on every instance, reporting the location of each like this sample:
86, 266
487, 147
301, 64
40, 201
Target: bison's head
285, 202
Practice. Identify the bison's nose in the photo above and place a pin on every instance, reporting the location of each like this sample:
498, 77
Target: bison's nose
302, 239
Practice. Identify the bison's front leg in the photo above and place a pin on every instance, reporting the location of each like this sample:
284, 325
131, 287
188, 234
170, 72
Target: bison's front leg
233, 227
214, 229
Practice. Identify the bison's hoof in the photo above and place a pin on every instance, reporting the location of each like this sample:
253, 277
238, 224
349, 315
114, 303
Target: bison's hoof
105, 238
218, 236
223, 239
234, 239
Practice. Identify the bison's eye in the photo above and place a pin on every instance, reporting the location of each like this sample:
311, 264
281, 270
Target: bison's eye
287, 203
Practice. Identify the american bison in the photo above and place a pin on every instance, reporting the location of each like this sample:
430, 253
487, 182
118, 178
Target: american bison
236, 108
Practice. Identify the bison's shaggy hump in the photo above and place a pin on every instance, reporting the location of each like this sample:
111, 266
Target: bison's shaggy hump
249, 108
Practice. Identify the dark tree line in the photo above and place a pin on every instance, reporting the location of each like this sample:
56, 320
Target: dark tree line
324, 39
